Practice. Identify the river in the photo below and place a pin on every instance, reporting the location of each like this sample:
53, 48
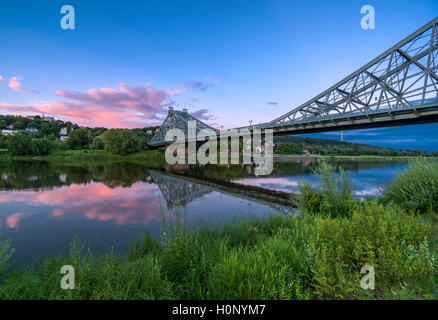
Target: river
44, 205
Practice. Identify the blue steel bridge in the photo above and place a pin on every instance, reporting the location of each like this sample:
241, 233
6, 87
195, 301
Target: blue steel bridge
399, 87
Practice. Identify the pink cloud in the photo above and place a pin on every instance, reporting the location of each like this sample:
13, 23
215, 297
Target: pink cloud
15, 84
1, 78
127, 106
95, 201
13, 220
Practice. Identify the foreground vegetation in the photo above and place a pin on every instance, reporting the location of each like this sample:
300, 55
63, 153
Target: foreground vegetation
318, 255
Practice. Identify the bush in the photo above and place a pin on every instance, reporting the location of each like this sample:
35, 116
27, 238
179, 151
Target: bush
120, 141
416, 188
394, 242
97, 143
39, 147
19, 144
79, 138
22, 144
335, 194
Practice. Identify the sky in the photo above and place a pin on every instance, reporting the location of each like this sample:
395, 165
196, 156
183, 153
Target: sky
228, 62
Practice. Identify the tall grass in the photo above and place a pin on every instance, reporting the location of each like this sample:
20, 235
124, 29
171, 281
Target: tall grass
415, 188
5, 254
310, 257
334, 197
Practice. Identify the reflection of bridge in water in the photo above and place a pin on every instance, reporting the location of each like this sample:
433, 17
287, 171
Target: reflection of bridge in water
179, 190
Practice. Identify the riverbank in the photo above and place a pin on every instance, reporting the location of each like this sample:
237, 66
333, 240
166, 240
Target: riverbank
283, 157
276, 258
151, 158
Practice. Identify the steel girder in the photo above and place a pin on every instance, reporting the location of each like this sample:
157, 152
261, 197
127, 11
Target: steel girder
405, 76
177, 120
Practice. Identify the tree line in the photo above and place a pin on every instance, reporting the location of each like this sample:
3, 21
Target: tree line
298, 145
21, 143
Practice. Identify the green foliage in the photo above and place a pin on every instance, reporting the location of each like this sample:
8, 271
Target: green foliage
394, 242
22, 144
105, 277
143, 247
296, 145
120, 141
97, 143
79, 138
416, 188
334, 197
19, 144
5, 254
39, 147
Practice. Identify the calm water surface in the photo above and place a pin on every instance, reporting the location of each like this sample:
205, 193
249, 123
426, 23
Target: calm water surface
43, 205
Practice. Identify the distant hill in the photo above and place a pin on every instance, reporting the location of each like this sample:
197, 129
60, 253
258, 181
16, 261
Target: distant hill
299, 145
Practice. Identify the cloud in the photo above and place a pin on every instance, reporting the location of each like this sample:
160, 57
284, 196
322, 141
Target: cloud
15, 84
272, 103
135, 205
203, 114
127, 106
1, 78
201, 85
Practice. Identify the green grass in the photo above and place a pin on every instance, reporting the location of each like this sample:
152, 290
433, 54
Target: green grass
151, 158
280, 257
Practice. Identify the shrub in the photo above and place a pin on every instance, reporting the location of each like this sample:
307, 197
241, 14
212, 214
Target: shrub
39, 147
394, 242
120, 141
97, 143
79, 138
22, 144
415, 188
335, 194
19, 144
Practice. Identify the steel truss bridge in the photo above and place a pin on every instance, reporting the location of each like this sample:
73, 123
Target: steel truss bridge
399, 87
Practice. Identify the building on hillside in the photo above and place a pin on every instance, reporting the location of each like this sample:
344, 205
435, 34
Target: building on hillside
48, 118
149, 132
10, 127
31, 129
63, 131
8, 132
306, 152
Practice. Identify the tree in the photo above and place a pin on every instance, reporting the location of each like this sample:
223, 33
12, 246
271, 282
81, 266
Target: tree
97, 143
120, 141
19, 144
79, 138
39, 147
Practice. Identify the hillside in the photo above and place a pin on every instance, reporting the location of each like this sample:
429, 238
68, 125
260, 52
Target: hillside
298, 145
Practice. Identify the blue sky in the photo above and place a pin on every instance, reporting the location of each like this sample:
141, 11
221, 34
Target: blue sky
227, 61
